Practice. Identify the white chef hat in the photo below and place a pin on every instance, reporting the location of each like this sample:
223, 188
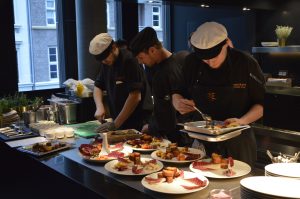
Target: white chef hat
208, 39
101, 45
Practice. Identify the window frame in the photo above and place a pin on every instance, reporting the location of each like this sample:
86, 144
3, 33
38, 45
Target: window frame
156, 14
52, 10
53, 63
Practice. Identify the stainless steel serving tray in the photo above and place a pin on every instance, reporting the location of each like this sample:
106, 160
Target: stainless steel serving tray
200, 127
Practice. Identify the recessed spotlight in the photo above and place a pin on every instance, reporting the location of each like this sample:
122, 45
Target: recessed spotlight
204, 6
246, 9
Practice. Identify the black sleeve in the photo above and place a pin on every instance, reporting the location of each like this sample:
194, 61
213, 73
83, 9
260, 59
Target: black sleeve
100, 82
175, 79
133, 75
256, 83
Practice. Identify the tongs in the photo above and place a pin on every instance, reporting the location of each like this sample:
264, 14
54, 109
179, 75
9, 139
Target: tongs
207, 118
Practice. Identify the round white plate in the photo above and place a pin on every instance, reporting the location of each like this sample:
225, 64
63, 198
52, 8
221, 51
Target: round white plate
273, 186
175, 187
284, 169
240, 169
126, 151
110, 167
163, 144
174, 160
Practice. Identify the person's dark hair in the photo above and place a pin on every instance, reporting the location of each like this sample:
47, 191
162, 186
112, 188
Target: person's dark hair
121, 43
144, 40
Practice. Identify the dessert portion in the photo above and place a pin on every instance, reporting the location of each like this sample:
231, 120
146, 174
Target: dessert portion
173, 152
92, 151
216, 162
174, 175
146, 142
136, 164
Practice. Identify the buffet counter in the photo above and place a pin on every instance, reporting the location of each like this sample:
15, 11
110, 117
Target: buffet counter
95, 179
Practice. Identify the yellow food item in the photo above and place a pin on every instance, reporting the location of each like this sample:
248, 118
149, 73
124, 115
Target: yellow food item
80, 89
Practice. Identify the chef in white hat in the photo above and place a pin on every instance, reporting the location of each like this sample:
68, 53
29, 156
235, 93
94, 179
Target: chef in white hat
128, 92
226, 84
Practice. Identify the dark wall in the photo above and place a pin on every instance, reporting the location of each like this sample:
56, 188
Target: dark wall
240, 24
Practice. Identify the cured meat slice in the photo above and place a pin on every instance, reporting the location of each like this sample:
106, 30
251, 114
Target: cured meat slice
116, 154
151, 180
197, 181
191, 187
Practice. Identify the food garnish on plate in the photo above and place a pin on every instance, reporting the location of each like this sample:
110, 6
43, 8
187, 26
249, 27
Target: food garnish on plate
171, 174
134, 163
146, 142
216, 162
179, 153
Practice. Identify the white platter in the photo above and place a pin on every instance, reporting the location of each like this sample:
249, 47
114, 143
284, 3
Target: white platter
110, 167
269, 44
272, 186
163, 144
240, 168
175, 187
291, 170
174, 160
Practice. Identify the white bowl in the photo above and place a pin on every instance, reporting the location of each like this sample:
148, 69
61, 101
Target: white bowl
69, 132
60, 133
50, 135
269, 44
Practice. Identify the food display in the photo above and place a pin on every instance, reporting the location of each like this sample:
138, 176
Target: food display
175, 181
172, 153
91, 152
122, 135
43, 148
219, 167
147, 143
134, 164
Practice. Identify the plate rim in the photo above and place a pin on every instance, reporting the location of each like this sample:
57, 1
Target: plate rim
108, 168
144, 183
220, 177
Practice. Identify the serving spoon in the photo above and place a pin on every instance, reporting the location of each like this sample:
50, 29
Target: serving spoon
206, 117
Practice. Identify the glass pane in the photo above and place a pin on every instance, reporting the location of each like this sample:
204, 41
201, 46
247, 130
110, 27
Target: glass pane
53, 75
32, 43
155, 9
155, 23
111, 15
52, 58
53, 68
52, 51
155, 17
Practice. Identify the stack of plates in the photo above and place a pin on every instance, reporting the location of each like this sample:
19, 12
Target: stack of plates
266, 187
289, 170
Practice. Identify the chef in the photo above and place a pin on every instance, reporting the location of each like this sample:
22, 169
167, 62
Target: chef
226, 84
128, 93
165, 81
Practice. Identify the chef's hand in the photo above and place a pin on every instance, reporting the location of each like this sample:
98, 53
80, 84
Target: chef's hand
100, 114
234, 121
182, 105
145, 128
108, 126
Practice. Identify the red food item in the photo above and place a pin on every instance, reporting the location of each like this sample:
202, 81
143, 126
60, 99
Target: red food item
202, 166
153, 180
196, 181
135, 170
231, 161
88, 150
191, 187
116, 154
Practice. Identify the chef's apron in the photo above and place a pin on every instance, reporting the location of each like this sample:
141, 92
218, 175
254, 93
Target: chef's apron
223, 102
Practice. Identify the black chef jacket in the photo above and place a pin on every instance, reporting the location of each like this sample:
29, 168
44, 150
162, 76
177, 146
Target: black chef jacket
165, 82
227, 92
125, 76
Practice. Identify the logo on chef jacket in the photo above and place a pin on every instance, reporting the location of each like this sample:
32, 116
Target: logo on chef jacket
239, 85
119, 80
211, 96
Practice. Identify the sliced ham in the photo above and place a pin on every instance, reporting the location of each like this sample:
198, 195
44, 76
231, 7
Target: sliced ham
151, 180
196, 181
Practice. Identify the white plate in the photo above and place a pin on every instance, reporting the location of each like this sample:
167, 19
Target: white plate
174, 160
163, 144
273, 186
174, 187
240, 169
269, 44
110, 167
284, 169
199, 126
125, 150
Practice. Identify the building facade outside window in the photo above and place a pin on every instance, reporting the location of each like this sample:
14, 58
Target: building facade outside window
156, 17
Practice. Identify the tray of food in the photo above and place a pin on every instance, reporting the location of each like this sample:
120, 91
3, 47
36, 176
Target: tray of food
147, 143
216, 128
44, 148
122, 135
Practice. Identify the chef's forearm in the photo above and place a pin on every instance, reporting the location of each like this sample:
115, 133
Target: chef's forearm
98, 97
131, 103
255, 113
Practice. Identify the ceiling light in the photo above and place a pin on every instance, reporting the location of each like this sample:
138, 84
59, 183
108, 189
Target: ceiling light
246, 9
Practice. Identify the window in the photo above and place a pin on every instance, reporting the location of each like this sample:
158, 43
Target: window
53, 63
111, 18
156, 16
50, 12
36, 40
